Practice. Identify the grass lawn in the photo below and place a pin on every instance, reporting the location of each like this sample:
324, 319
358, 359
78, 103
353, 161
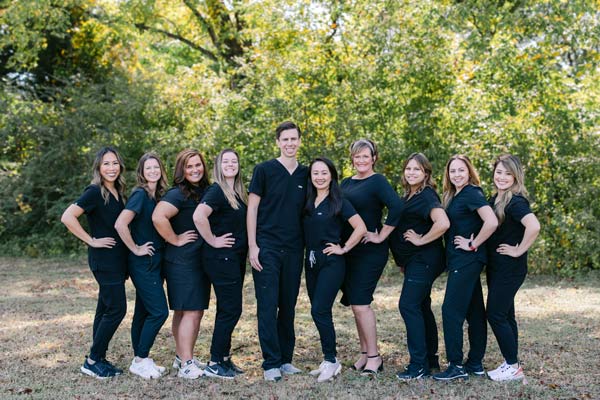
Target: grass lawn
47, 308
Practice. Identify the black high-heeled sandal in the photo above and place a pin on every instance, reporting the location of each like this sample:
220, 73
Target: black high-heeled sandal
370, 372
354, 368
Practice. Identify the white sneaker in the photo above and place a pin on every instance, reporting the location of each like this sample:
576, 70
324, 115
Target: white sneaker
500, 368
318, 371
161, 370
330, 370
189, 370
272, 375
144, 369
177, 363
289, 369
509, 373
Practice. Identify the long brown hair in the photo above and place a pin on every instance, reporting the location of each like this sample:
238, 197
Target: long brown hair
238, 186
179, 174
97, 178
161, 185
513, 165
425, 165
449, 188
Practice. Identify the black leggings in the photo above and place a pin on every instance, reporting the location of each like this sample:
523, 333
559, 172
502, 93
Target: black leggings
110, 311
502, 289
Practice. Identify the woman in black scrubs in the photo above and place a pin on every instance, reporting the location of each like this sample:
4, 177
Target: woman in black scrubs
507, 264
102, 202
418, 249
472, 221
221, 221
188, 287
369, 193
146, 249
325, 214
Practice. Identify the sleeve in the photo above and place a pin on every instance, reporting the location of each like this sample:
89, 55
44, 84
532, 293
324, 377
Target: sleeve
475, 198
136, 201
214, 197
174, 197
347, 210
257, 183
89, 199
518, 208
430, 201
390, 198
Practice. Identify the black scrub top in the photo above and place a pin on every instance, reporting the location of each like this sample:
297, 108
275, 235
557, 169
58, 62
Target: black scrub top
368, 197
182, 222
416, 215
225, 219
320, 227
464, 221
142, 229
101, 219
279, 221
510, 232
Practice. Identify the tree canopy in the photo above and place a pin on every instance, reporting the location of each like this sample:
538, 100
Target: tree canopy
439, 77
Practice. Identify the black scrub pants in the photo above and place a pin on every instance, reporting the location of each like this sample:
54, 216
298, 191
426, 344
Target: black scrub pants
502, 288
110, 310
276, 289
415, 307
464, 300
225, 274
324, 278
151, 309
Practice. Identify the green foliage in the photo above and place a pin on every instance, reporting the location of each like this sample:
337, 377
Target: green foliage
472, 77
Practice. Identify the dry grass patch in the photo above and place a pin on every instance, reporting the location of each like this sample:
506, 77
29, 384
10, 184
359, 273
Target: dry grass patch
46, 309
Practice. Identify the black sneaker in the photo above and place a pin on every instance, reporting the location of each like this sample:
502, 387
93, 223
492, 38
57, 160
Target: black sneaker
219, 370
452, 372
231, 365
474, 369
98, 370
412, 372
118, 371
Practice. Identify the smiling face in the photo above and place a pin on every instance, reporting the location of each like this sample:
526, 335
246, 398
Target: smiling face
458, 172
363, 162
503, 178
320, 175
110, 168
414, 174
194, 170
229, 165
288, 143
152, 173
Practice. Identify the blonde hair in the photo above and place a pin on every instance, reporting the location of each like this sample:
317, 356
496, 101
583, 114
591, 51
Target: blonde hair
238, 186
448, 187
97, 178
361, 144
161, 185
425, 165
514, 167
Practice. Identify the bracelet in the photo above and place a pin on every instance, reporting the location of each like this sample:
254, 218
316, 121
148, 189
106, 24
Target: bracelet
471, 247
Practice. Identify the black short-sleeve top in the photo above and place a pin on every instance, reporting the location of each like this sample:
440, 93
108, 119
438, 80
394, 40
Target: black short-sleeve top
225, 219
464, 221
510, 232
279, 221
416, 215
142, 229
320, 227
183, 221
368, 197
101, 219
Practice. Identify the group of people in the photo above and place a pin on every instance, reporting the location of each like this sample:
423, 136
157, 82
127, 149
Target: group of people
196, 235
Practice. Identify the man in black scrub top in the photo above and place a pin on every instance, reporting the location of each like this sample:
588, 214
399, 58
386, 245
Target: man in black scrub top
275, 241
